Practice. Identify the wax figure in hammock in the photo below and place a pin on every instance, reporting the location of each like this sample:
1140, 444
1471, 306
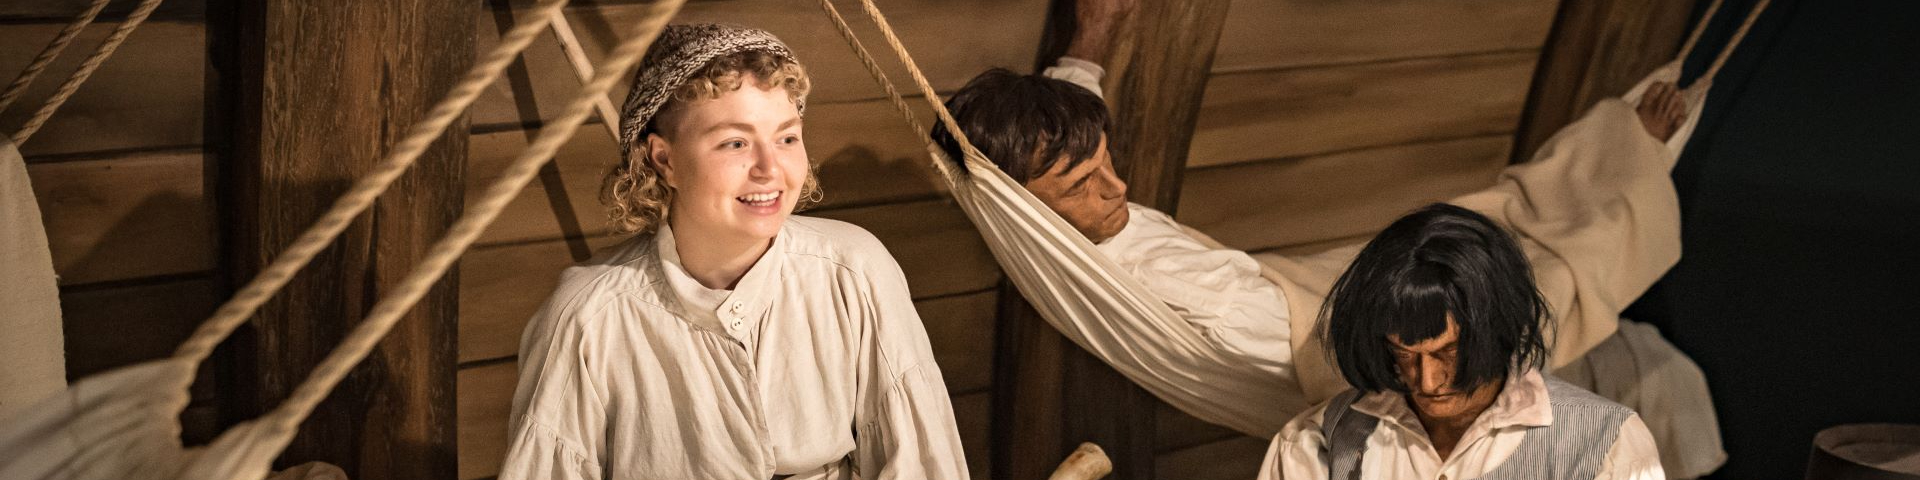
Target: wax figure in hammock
728, 339
1595, 210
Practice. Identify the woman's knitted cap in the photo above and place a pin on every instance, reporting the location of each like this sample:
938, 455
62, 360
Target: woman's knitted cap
681, 52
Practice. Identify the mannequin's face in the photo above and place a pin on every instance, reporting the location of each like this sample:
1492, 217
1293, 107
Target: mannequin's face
1090, 196
1427, 369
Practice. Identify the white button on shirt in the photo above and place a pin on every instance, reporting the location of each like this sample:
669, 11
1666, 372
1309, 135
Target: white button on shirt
816, 365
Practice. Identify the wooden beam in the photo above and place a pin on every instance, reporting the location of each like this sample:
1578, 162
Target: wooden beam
1050, 395
1596, 49
324, 90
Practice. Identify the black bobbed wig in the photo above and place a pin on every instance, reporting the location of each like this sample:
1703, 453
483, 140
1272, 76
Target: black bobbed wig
1438, 261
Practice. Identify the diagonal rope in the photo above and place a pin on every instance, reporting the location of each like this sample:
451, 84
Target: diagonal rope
367, 189
1734, 43
973, 156
52, 51
87, 67
1693, 39
467, 229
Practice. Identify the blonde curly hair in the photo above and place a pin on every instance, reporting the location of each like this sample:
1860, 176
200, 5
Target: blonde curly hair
637, 196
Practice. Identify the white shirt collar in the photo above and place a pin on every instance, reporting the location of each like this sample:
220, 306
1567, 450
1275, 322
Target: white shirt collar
734, 312
1522, 403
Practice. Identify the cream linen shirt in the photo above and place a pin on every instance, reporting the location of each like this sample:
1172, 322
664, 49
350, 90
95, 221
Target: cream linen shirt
816, 365
1238, 318
1399, 448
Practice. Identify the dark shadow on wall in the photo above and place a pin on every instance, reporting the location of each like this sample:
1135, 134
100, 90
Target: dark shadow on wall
1798, 291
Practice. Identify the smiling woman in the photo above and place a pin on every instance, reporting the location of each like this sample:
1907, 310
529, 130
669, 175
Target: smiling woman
728, 339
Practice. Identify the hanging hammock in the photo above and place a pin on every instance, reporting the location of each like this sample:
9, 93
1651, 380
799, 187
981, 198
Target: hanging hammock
124, 423
1595, 210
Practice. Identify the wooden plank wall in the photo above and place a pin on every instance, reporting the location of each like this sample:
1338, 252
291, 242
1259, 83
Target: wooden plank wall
120, 175
1324, 120
1392, 102
870, 167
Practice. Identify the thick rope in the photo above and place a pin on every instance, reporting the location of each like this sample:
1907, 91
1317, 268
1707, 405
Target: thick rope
52, 51
92, 63
583, 68
873, 68
287, 417
926, 89
1734, 43
1693, 39
946, 169
367, 189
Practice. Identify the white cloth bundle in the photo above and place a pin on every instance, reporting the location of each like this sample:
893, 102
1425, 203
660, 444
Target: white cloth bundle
32, 346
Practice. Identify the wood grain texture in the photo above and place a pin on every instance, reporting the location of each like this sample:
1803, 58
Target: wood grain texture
1317, 198
933, 241
1158, 80
325, 89
1231, 459
129, 216
1270, 34
866, 156
951, 40
501, 287
148, 94
1176, 430
486, 398
1597, 49
63, 10
1292, 113
118, 326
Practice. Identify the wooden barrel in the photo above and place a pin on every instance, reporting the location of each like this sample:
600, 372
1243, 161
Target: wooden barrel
1866, 451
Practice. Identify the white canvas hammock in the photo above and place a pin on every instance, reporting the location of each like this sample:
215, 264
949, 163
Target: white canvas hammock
1595, 210
124, 424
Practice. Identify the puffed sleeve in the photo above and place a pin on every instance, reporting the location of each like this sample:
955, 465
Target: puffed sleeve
1632, 456
1296, 451
904, 424
558, 426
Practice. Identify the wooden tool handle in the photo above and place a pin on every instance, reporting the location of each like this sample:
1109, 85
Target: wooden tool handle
1088, 462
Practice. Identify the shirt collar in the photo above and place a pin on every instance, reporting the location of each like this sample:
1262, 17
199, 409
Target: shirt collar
732, 312
1522, 403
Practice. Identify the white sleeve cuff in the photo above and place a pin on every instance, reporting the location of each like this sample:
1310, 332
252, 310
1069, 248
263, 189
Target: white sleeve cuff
1080, 72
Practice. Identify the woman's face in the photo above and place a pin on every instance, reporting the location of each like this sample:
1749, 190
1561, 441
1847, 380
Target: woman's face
736, 163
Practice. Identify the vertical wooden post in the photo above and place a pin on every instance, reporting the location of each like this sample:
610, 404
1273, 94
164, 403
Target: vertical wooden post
1596, 49
323, 90
1050, 395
